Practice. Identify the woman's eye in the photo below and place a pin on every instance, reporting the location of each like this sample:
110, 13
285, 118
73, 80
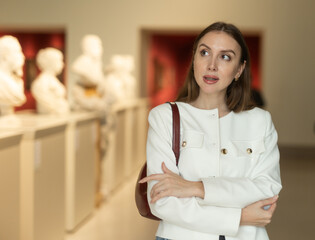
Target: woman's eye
204, 53
226, 57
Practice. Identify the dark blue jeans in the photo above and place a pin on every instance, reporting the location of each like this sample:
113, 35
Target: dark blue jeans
158, 238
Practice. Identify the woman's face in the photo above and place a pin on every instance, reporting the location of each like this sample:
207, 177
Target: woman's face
217, 63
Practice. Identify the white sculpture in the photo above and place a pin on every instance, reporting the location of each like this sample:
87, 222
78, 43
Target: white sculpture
89, 65
49, 92
119, 77
11, 72
89, 91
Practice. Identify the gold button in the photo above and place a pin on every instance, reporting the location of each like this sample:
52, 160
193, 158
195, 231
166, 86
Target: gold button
224, 151
184, 144
249, 150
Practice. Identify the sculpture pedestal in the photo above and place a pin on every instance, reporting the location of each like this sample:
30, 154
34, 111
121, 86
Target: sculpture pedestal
127, 140
10, 151
42, 178
49, 166
82, 149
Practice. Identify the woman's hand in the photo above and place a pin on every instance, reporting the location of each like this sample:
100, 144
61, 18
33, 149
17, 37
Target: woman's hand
256, 215
171, 184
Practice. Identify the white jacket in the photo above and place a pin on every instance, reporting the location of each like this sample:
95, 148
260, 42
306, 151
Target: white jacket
237, 159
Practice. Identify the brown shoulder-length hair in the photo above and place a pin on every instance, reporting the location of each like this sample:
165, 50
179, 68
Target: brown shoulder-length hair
238, 94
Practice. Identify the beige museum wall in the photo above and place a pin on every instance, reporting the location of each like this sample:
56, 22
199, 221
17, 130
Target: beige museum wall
288, 67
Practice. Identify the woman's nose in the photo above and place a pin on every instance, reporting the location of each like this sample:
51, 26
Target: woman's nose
212, 65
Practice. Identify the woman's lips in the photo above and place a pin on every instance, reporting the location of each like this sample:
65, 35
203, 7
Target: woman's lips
210, 79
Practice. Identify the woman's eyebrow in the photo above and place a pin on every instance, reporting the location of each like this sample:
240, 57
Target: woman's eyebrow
204, 45
224, 51
229, 50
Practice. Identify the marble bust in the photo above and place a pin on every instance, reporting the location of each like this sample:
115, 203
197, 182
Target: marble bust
49, 92
89, 90
11, 72
119, 77
89, 66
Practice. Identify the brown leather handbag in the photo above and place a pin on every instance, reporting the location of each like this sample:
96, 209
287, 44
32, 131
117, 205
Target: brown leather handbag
141, 188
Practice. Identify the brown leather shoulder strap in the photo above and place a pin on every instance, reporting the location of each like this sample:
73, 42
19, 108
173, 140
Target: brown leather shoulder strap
176, 131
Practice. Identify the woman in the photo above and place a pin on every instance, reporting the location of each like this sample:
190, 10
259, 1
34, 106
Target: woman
228, 177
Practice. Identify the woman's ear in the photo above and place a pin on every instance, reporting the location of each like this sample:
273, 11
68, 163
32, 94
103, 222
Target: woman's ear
240, 70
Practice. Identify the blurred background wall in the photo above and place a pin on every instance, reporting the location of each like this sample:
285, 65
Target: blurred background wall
286, 27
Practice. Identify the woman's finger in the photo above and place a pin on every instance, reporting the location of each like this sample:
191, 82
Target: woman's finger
158, 176
152, 177
159, 195
165, 169
273, 208
158, 187
268, 201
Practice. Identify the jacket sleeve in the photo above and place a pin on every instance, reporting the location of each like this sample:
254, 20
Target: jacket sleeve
183, 212
263, 182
